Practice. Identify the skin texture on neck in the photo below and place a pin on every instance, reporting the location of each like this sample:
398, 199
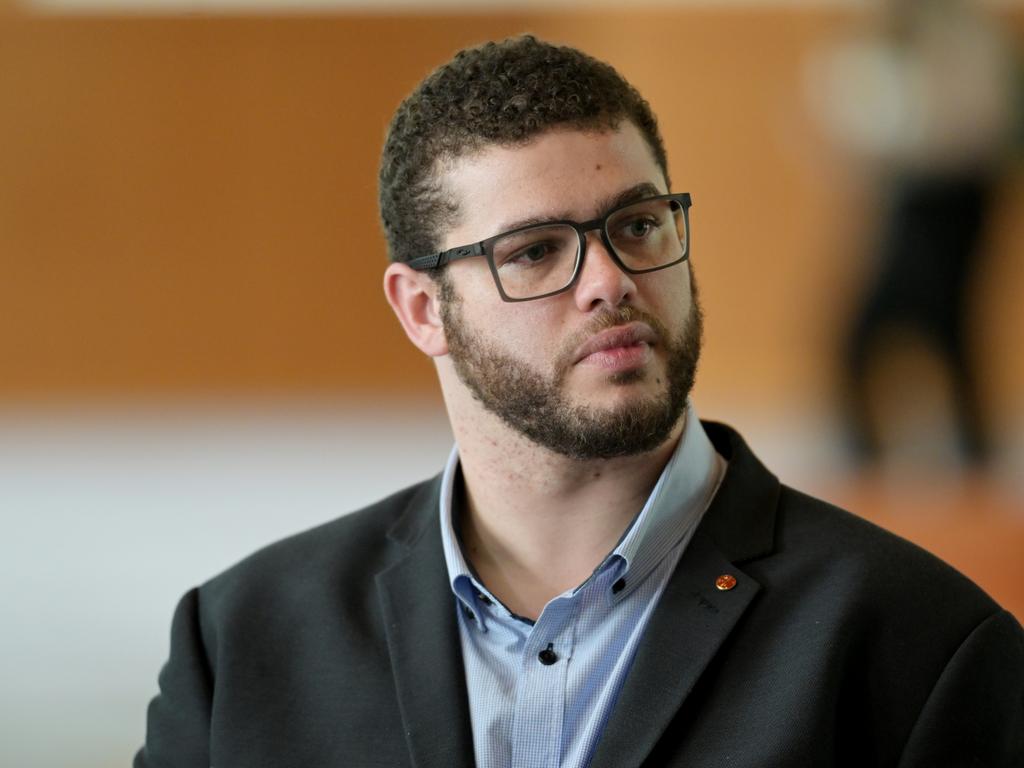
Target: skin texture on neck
535, 523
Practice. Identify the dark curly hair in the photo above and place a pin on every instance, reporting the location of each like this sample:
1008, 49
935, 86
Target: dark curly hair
502, 93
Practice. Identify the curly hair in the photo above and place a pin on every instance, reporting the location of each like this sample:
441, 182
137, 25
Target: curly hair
503, 93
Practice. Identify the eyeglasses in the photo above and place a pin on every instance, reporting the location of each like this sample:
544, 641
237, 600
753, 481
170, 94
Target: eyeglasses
541, 260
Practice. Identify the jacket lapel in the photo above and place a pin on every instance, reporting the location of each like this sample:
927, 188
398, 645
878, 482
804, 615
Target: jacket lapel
694, 617
423, 642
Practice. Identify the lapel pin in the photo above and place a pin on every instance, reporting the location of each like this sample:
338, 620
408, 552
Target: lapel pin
725, 582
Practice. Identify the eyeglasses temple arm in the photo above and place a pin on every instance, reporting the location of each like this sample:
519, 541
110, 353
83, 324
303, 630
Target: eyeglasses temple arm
445, 257
425, 262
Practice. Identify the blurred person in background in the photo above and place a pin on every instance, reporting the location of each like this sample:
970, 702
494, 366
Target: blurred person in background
926, 99
596, 577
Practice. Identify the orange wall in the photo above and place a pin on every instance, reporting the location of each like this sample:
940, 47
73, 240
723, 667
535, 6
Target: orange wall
187, 205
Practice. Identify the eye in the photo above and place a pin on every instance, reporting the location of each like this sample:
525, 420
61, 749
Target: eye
534, 253
639, 227
529, 255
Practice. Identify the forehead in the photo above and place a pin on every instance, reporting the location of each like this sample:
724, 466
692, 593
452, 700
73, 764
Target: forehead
562, 174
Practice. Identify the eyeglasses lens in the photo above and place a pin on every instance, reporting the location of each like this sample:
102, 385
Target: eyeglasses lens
536, 261
648, 235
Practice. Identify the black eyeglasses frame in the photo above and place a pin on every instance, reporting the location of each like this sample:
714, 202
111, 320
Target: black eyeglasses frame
485, 247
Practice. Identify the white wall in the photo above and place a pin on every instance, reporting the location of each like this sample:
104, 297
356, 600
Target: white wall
108, 517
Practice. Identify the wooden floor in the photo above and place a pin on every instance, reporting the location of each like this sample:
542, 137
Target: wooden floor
971, 523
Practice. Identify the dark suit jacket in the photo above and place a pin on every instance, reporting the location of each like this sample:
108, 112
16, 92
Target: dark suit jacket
840, 645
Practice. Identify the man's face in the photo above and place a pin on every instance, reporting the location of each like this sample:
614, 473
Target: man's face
605, 368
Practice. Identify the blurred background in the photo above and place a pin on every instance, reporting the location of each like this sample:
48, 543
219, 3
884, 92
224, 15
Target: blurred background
196, 357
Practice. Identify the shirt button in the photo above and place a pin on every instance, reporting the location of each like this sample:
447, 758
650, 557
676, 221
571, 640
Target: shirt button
484, 598
548, 657
618, 586
469, 614
725, 582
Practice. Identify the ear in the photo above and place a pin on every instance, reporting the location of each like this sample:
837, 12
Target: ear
413, 297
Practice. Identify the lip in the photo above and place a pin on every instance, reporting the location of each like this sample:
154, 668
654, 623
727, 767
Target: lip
623, 337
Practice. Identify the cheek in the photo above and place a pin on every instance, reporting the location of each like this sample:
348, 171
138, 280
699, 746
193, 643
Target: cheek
537, 342
472, 280
681, 297
668, 294
523, 331
528, 331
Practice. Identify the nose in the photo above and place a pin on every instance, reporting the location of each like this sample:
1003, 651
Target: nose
601, 280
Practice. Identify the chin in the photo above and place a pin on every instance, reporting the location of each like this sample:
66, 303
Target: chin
626, 379
621, 388
632, 376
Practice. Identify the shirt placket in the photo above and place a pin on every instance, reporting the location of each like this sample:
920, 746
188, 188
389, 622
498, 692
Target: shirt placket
540, 691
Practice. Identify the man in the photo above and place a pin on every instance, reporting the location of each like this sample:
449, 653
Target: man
596, 578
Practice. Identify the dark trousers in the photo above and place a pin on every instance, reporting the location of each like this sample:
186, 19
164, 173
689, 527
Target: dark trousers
929, 252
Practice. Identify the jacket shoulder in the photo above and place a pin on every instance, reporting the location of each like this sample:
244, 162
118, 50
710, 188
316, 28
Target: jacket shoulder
870, 561
330, 561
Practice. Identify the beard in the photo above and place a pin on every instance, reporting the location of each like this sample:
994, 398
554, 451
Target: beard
535, 406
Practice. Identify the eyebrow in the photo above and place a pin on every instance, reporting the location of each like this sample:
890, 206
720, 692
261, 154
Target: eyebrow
631, 195
636, 192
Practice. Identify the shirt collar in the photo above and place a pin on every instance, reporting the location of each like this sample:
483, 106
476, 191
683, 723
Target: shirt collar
676, 503
671, 513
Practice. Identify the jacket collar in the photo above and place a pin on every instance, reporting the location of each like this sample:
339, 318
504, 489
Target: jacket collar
741, 518
694, 618
423, 640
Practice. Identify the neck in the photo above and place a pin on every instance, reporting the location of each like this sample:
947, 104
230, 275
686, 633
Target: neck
536, 523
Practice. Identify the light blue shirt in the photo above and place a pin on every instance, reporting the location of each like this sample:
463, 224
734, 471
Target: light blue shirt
540, 694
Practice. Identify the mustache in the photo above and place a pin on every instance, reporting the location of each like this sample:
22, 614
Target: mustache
608, 319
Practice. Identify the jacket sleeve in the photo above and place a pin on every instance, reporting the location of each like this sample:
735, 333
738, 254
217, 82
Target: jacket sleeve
178, 720
974, 715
